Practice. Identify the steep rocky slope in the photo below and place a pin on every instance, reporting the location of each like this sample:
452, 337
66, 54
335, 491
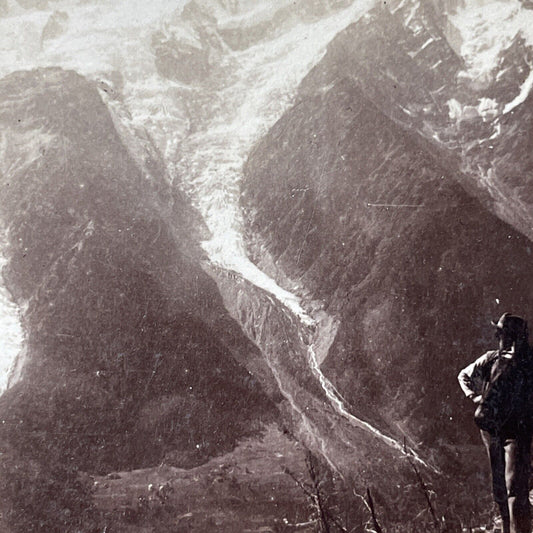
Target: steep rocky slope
130, 356
361, 209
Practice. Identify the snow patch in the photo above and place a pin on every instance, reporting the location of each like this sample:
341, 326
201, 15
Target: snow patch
525, 90
427, 43
459, 112
11, 335
411, 15
488, 108
487, 28
497, 131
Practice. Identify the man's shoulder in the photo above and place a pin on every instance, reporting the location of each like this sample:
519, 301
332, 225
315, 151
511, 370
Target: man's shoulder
488, 357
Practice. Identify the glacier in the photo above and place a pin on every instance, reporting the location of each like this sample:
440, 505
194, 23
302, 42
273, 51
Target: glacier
254, 88
106, 37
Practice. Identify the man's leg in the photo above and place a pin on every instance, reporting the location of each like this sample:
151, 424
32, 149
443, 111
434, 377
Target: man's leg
496, 453
517, 470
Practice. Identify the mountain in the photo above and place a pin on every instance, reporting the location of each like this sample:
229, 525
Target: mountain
251, 245
130, 353
355, 200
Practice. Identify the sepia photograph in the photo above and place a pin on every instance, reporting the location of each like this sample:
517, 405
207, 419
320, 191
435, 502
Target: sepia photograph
266, 266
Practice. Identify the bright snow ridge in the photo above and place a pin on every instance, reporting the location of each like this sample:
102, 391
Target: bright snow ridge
487, 28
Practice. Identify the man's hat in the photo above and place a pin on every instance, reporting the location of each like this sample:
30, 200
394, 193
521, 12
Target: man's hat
513, 325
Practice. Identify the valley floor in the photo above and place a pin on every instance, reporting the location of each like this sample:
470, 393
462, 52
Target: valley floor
248, 489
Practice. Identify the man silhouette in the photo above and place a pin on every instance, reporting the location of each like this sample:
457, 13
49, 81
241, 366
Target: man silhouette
499, 382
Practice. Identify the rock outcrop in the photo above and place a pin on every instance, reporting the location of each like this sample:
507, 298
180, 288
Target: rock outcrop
56, 25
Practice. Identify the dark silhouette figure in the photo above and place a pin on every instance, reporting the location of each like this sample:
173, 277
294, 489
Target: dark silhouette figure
500, 384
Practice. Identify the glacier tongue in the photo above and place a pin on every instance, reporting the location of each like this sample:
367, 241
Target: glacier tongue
263, 81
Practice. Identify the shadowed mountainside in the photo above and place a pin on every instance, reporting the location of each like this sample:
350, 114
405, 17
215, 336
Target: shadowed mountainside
369, 217
131, 357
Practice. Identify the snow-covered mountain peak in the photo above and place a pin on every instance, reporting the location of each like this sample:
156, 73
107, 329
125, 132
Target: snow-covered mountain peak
487, 29
96, 36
